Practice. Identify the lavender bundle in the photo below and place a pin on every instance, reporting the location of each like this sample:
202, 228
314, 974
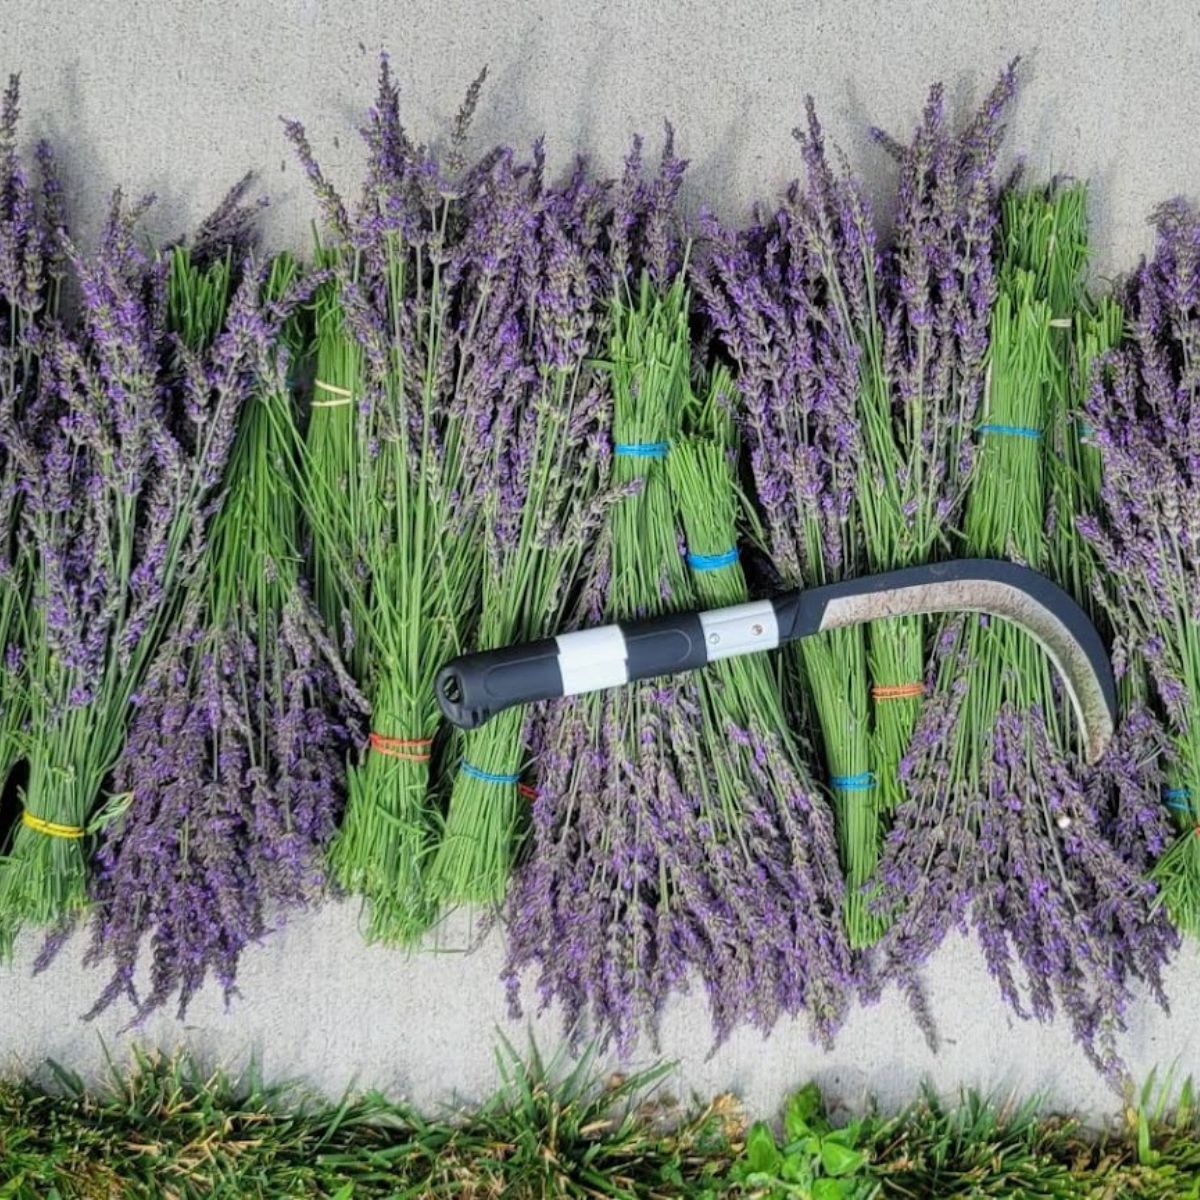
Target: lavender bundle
785, 889
900, 337
660, 852
541, 503
423, 296
1145, 427
1002, 826
922, 314
793, 339
233, 772
30, 274
119, 486
611, 903
624, 894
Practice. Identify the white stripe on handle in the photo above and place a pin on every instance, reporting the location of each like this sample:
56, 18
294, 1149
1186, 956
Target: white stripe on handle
592, 659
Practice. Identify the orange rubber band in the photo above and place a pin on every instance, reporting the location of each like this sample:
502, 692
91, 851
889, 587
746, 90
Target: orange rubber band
524, 790
897, 691
398, 747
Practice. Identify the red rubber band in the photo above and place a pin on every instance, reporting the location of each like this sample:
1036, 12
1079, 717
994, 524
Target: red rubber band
397, 747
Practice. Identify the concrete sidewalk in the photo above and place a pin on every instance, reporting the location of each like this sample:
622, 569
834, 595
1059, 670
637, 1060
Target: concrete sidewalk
319, 1006
181, 98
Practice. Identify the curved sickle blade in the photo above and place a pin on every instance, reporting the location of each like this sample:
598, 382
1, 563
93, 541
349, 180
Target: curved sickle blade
1021, 596
474, 687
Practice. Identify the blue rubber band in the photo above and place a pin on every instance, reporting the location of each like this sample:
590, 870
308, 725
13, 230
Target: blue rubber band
854, 783
1177, 798
1022, 431
712, 562
486, 776
641, 449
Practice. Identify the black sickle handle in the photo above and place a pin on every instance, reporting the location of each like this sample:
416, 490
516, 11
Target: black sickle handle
474, 687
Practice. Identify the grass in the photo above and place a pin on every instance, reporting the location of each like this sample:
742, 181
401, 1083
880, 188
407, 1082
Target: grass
164, 1128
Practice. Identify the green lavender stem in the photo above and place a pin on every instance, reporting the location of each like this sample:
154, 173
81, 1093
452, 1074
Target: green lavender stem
835, 670
331, 449
895, 660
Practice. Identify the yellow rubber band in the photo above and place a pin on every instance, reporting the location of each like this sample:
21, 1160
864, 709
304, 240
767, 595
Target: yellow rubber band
50, 828
343, 396
1060, 322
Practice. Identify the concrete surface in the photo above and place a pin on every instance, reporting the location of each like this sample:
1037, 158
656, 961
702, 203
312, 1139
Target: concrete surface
182, 96
319, 1006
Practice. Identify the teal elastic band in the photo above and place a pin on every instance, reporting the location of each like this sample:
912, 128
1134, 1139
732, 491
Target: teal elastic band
1022, 431
712, 562
854, 783
1177, 798
641, 449
486, 776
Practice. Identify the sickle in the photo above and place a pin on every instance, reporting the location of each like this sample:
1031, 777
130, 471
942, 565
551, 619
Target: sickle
474, 687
